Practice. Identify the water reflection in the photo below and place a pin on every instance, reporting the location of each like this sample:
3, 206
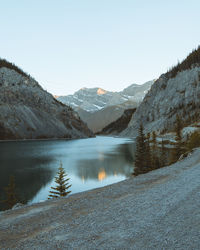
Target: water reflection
101, 175
89, 163
30, 171
111, 163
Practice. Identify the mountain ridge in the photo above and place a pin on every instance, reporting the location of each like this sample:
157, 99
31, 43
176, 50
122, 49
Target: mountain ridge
94, 99
98, 107
29, 112
176, 92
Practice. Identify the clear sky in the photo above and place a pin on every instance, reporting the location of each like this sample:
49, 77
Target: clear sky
69, 44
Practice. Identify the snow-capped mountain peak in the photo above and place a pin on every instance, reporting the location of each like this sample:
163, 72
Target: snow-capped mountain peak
94, 99
101, 91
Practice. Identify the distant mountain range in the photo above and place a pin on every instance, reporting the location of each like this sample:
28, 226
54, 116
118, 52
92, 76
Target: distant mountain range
98, 107
94, 99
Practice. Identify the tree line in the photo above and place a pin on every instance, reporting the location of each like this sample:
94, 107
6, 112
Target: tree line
6, 64
192, 59
149, 156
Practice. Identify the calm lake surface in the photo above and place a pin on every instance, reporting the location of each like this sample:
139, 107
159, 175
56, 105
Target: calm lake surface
89, 163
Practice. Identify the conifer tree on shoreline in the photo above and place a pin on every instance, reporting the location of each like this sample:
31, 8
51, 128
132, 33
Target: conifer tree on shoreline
163, 159
10, 191
61, 189
155, 152
140, 153
148, 156
178, 150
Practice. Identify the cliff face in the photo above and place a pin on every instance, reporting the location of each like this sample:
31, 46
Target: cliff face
29, 112
167, 98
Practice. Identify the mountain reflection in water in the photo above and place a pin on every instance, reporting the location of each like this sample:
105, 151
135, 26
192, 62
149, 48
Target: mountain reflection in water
89, 163
116, 162
101, 175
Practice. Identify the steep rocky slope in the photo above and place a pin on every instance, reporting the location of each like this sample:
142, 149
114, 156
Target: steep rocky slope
29, 112
119, 125
176, 92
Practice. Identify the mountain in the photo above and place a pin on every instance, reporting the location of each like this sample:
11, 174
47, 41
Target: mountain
29, 112
137, 92
176, 92
94, 99
119, 125
96, 121
98, 107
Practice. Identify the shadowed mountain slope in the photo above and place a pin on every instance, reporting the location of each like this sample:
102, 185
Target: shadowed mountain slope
29, 112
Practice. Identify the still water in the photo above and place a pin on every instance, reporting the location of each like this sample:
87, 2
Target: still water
89, 163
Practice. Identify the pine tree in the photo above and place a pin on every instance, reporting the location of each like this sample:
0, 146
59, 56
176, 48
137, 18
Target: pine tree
155, 158
178, 138
193, 141
148, 155
163, 158
140, 162
62, 187
178, 150
11, 197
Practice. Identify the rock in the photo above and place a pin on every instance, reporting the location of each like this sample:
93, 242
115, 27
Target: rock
18, 205
167, 98
29, 112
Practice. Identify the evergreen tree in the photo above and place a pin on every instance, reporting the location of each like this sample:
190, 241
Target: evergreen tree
163, 158
155, 157
178, 138
192, 58
178, 150
154, 140
193, 141
148, 155
140, 162
62, 187
11, 197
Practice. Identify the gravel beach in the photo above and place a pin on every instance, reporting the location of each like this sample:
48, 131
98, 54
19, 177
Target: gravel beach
158, 210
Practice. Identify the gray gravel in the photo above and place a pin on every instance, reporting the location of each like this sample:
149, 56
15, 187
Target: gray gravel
158, 210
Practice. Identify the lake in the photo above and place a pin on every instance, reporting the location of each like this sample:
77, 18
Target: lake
89, 163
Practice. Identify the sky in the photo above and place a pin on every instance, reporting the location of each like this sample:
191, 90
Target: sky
69, 44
